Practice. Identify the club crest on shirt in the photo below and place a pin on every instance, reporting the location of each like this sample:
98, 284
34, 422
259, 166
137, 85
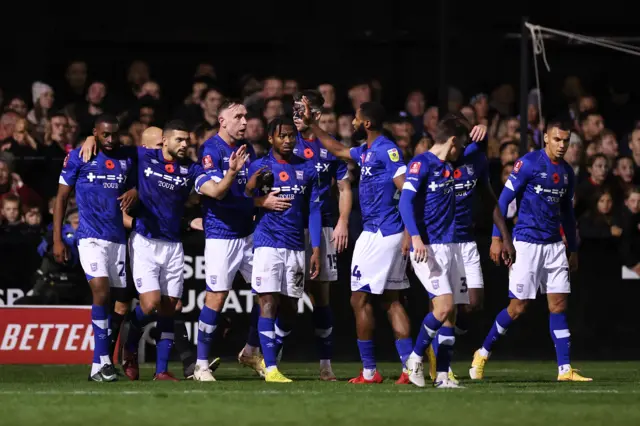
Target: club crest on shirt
393, 155
183, 170
123, 164
516, 166
213, 279
299, 174
207, 162
368, 157
323, 153
94, 267
566, 179
139, 282
258, 281
415, 168
470, 170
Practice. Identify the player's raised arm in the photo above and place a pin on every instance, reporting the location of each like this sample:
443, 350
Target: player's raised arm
568, 219
315, 228
415, 179
340, 235
500, 247
516, 183
332, 145
214, 183
67, 181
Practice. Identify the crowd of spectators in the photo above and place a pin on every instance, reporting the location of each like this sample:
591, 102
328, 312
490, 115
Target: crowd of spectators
38, 129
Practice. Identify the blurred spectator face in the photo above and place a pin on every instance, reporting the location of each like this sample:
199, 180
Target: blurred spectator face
96, 93
196, 91
74, 220
532, 114
20, 133
11, 211
290, 87
593, 148
59, 128
359, 94
506, 171
609, 145
634, 143
415, 104
587, 103
126, 139
625, 170
273, 109
633, 202
33, 217
401, 130
255, 130
77, 75
192, 153
573, 154
205, 70
272, 87
469, 114
512, 127
150, 88
147, 115
599, 170
328, 92
482, 107
18, 106
211, 102
430, 119
509, 154
138, 73
8, 122
592, 126
605, 203
4, 173
329, 123
46, 100
72, 130
345, 128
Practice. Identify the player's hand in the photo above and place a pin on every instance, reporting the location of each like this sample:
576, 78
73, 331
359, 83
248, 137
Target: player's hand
307, 116
405, 248
478, 133
128, 199
60, 252
508, 253
314, 263
89, 149
197, 224
616, 231
238, 158
419, 249
636, 269
573, 262
255, 180
340, 236
495, 251
271, 201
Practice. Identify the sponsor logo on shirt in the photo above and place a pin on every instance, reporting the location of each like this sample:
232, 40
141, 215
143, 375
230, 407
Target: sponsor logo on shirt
516, 166
393, 155
207, 162
415, 168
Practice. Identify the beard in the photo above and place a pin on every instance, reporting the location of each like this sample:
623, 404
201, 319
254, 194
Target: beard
359, 134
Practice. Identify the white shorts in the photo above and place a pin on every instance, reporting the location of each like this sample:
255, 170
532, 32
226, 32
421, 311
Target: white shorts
156, 265
378, 263
543, 266
100, 258
224, 258
328, 256
443, 272
278, 270
471, 261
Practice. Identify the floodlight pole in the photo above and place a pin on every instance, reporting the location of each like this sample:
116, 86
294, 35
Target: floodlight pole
524, 86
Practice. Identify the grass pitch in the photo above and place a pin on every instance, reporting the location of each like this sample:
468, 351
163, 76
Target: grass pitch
515, 393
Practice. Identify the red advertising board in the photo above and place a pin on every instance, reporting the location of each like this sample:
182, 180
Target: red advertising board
46, 335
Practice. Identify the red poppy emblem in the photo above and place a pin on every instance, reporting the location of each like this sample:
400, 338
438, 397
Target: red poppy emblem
308, 153
109, 164
457, 173
556, 178
283, 176
169, 168
446, 173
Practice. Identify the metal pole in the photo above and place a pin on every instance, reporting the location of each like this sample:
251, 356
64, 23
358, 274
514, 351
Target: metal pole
443, 92
524, 85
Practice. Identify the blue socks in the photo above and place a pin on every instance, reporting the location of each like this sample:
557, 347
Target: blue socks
207, 324
428, 330
282, 330
100, 323
404, 347
253, 339
499, 328
267, 335
367, 354
561, 338
323, 323
446, 338
164, 344
137, 321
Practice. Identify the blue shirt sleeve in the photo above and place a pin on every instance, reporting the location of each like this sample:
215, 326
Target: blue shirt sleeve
516, 184
417, 176
315, 215
568, 216
211, 161
393, 161
70, 169
340, 170
356, 154
483, 166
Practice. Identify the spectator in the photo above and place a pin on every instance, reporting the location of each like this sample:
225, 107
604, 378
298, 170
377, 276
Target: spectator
190, 110
454, 99
634, 146
11, 215
210, 102
205, 69
622, 179
415, 107
328, 121
591, 125
597, 226
290, 87
273, 107
359, 93
11, 185
18, 105
430, 121
630, 220
598, 169
609, 145
480, 103
272, 87
76, 77
43, 98
86, 111
328, 92
137, 75
573, 156
345, 129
